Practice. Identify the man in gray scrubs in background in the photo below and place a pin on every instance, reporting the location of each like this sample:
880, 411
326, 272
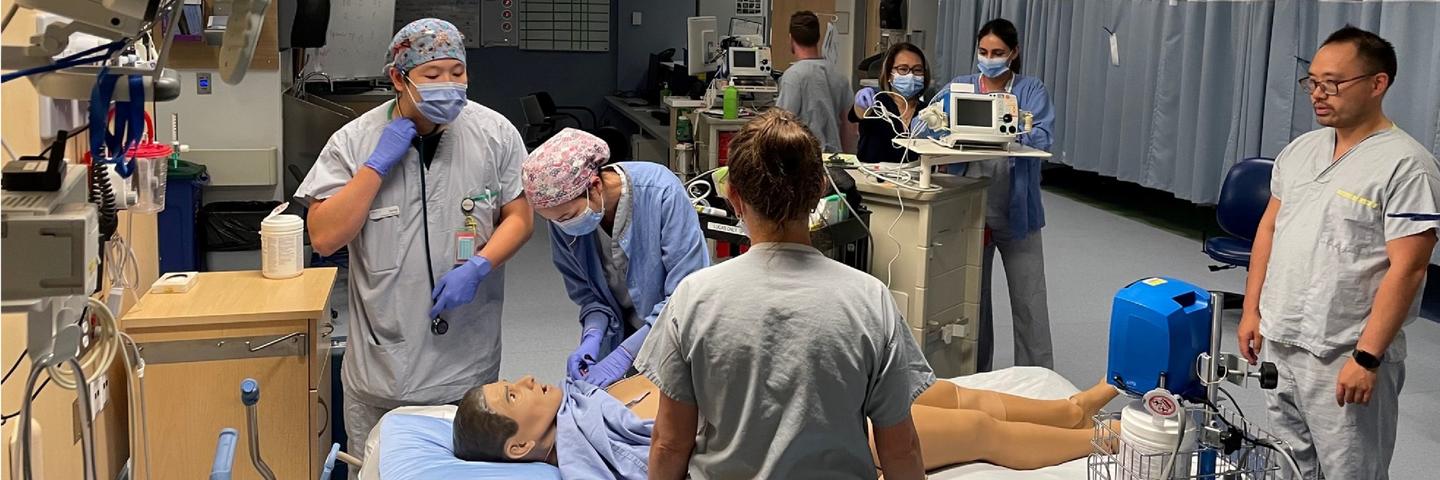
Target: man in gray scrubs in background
812, 88
1335, 273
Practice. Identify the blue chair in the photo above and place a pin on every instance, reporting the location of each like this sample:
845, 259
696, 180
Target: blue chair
1243, 198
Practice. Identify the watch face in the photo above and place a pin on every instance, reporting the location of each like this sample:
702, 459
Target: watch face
1367, 360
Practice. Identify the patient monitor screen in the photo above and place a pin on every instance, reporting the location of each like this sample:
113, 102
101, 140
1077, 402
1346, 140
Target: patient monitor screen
973, 112
744, 59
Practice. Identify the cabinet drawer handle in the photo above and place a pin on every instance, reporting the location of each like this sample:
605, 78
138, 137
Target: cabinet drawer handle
273, 342
324, 420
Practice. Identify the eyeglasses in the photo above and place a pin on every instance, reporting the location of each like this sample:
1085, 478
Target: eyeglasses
1329, 87
906, 70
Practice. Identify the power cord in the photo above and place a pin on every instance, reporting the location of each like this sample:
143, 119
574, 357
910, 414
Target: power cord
15, 365
33, 396
1232, 402
136, 373
1245, 434
100, 355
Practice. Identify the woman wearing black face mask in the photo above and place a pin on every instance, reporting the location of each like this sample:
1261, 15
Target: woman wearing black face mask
1014, 214
903, 82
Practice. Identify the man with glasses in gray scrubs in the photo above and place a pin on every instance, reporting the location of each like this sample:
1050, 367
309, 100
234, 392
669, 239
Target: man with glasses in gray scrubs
1336, 270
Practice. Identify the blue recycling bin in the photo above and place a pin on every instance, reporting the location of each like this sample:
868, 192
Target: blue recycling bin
177, 228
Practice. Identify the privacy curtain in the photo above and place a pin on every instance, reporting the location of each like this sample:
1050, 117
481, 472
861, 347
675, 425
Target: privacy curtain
1199, 85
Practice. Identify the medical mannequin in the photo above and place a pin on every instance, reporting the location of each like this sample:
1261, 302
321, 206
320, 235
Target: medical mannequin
956, 425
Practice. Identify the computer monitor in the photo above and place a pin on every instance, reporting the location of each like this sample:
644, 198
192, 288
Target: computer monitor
701, 43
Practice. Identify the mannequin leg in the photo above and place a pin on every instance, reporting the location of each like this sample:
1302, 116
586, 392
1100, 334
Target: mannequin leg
949, 437
1074, 412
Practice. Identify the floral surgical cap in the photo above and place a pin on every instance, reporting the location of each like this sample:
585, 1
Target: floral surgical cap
422, 41
562, 168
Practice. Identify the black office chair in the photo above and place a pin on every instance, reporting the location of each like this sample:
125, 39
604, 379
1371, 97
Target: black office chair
539, 127
618, 141
548, 107
1243, 198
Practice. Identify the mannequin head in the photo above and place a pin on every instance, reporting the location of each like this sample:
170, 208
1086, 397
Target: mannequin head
508, 422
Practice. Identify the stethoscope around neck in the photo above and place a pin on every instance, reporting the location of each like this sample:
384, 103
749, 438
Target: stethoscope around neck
438, 325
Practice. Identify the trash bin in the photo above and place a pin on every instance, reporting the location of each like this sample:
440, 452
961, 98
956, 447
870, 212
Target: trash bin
179, 240
234, 226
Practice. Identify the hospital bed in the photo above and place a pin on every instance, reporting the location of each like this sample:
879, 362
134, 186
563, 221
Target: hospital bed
414, 443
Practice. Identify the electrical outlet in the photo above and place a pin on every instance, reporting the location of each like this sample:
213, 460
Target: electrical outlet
99, 394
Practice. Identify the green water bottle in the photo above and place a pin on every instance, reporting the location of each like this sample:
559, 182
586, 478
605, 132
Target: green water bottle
732, 103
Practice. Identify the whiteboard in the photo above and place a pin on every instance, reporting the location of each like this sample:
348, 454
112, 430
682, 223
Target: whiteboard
359, 33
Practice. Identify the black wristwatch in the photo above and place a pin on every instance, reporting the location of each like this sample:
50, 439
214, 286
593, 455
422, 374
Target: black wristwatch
1366, 360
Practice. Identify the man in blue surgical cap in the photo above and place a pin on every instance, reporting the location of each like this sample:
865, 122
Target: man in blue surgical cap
425, 191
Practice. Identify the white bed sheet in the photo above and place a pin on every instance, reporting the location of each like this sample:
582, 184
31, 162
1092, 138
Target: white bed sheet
1033, 382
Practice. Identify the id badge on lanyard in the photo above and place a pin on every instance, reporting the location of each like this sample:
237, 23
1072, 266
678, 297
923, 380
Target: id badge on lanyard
467, 238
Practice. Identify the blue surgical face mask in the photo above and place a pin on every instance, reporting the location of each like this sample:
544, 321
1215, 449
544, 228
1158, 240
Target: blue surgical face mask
908, 84
584, 223
994, 66
439, 102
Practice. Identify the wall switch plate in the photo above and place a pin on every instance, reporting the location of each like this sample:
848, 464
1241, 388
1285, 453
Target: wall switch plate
842, 23
635, 18
202, 83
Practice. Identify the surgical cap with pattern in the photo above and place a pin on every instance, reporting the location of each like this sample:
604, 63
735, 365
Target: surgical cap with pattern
422, 41
562, 168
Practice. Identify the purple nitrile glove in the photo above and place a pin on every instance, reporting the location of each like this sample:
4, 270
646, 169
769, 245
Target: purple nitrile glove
611, 369
458, 287
865, 98
580, 361
394, 144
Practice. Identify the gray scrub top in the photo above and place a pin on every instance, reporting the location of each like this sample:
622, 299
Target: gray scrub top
1328, 256
393, 359
616, 264
815, 92
786, 353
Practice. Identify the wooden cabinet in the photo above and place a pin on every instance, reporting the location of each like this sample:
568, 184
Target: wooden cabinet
198, 347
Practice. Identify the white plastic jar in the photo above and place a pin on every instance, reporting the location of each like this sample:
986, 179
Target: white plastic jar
1146, 443
282, 246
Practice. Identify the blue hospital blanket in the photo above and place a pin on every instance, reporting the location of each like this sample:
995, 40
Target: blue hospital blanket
598, 437
416, 447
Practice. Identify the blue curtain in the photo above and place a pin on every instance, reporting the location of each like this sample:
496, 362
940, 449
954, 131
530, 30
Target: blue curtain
1199, 85
1412, 26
